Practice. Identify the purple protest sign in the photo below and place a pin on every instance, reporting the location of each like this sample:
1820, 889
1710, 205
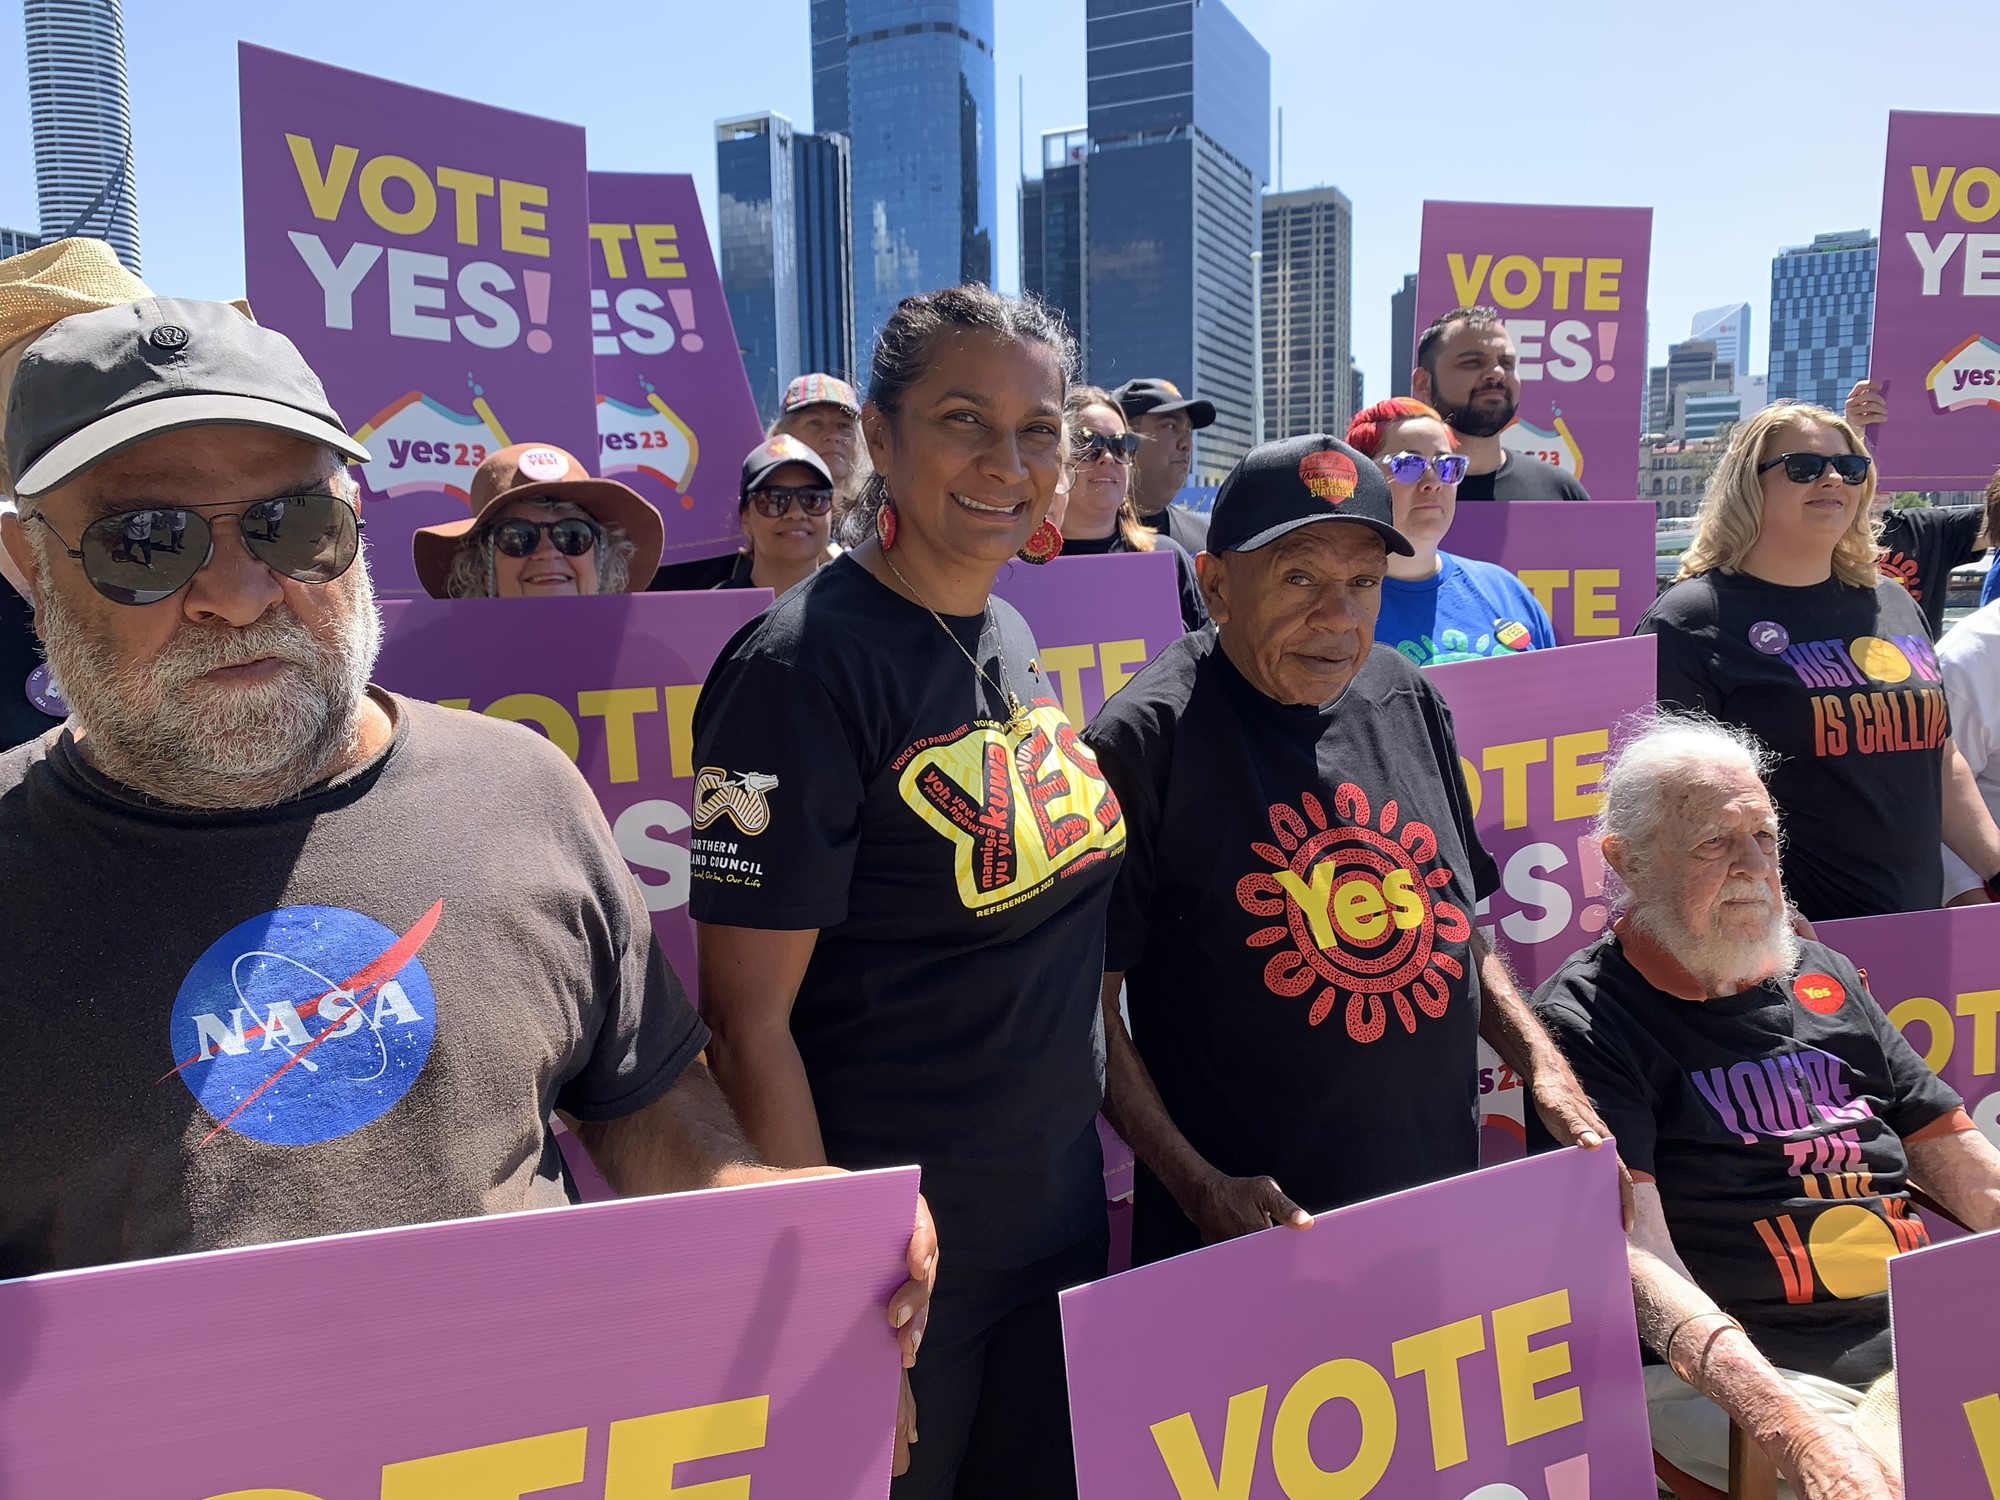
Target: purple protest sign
1096, 620
1936, 343
674, 411
430, 258
1945, 1322
1593, 570
1470, 1340
1936, 974
1533, 731
1571, 284
612, 680
736, 1336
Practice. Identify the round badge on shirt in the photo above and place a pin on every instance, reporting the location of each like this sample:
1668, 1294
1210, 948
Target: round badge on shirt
1512, 634
1821, 994
1769, 637
45, 695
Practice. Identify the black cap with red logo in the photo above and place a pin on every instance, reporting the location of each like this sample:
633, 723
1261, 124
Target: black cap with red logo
1279, 487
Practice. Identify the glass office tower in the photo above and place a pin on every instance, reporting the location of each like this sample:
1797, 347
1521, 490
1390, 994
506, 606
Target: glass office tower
1822, 317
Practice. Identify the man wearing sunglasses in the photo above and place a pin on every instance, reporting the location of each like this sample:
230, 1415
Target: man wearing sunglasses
785, 507
286, 954
1467, 369
1165, 423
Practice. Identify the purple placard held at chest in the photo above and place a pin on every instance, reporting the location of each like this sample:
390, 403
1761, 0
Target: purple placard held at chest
429, 256
1096, 620
1946, 1324
735, 1337
674, 411
1441, 1344
1533, 731
1593, 570
612, 681
1936, 346
1571, 286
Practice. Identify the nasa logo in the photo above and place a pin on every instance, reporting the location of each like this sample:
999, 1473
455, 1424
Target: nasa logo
542, 466
305, 1023
1821, 994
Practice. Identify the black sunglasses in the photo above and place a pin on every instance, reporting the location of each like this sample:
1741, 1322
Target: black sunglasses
1091, 446
142, 556
1804, 468
573, 535
774, 500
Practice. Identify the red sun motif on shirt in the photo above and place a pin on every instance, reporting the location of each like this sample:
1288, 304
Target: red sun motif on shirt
1359, 913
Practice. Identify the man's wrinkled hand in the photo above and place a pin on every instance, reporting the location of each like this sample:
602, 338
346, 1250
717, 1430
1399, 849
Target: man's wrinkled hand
1226, 1207
1829, 1463
1572, 1120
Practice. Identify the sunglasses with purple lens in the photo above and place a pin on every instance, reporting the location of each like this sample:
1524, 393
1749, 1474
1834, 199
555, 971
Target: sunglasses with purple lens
1408, 468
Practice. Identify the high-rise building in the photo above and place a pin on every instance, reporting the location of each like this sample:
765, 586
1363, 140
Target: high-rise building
1728, 328
1307, 311
82, 123
786, 266
1822, 313
910, 84
1402, 336
1052, 225
17, 242
1179, 98
1690, 363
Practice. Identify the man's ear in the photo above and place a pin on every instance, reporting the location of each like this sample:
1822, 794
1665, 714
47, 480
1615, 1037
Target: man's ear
1211, 571
1420, 386
1615, 852
18, 563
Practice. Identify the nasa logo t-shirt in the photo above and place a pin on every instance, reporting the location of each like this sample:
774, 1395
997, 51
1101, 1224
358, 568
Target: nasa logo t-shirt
348, 1012
1844, 685
1294, 921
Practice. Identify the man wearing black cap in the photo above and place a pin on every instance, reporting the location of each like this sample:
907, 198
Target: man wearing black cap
1166, 423
274, 965
1293, 924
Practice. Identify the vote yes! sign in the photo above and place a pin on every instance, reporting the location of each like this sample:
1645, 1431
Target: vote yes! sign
1946, 1323
1592, 568
1570, 284
429, 256
1470, 1340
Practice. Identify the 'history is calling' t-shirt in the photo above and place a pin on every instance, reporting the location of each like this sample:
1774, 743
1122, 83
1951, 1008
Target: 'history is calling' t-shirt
1294, 920
1843, 684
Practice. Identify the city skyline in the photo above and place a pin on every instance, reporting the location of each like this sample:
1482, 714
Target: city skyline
1382, 145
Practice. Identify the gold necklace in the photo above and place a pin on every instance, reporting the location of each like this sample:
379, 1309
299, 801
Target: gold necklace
1017, 716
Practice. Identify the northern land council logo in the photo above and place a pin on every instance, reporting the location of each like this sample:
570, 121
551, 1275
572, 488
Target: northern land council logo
305, 1023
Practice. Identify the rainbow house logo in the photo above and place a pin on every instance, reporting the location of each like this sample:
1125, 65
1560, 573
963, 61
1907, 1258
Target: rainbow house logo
1968, 376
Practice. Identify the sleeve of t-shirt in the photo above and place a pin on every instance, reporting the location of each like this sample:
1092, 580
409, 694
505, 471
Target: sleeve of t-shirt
1970, 662
1989, 588
771, 751
1917, 1096
1485, 873
1684, 680
1604, 1067
1572, 487
1194, 609
1133, 753
1959, 526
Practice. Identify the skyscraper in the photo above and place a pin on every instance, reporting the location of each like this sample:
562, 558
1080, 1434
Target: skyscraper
786, 259
82, 122
17, 242
1179, 107
1822, 314
1402, 336
1307, 311
1052, 225
1728, 328
910, 84
1692, 365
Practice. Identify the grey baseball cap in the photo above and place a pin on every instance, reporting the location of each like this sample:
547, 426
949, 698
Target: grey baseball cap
101, 381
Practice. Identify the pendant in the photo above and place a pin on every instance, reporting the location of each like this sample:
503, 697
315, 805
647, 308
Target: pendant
1017, 715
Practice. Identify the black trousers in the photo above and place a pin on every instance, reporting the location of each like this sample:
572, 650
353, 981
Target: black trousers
992, 1403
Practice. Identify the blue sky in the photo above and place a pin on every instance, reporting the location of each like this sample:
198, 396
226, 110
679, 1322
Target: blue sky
1746, 124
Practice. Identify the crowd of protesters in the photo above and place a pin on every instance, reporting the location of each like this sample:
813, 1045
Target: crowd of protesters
972, 927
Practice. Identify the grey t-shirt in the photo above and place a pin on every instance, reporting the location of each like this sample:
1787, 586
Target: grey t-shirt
352, 1011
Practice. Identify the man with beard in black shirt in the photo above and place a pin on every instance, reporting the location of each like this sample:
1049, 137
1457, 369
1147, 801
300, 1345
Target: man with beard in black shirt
1467, 369
1166, 422
1771, 1115
1294, 920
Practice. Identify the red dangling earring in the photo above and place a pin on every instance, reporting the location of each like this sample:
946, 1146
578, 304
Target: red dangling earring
885, 525
1043, 545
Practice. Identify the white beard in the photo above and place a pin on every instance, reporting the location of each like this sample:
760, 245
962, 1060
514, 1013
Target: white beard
1722, 957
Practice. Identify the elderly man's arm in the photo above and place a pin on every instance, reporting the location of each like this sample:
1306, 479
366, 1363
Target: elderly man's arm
1961, 1169
1510, 1028
1710, 1351
1968, 826
1220, 1207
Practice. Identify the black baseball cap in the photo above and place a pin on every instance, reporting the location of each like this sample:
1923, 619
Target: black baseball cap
771, 455
1140, 398
1279, 487
98, 382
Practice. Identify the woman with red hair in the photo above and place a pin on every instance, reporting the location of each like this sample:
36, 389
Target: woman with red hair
1437, 606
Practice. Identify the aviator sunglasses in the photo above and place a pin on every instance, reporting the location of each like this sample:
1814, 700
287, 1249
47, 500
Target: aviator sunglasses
1408, 468
1805, 468
142, 556
1089, 447
573, 535
774, 500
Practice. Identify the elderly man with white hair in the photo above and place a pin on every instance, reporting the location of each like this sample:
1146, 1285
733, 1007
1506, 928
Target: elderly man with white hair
1772, 1119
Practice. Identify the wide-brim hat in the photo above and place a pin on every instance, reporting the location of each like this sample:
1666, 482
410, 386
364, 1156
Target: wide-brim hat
530, 471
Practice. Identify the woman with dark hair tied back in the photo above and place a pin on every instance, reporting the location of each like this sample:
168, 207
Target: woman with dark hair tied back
902, 857
1099, 515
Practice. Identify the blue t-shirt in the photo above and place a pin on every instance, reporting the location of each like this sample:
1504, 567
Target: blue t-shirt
1466, 610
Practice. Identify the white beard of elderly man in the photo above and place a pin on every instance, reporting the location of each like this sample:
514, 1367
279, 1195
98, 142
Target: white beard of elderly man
1772, 1118
239, 857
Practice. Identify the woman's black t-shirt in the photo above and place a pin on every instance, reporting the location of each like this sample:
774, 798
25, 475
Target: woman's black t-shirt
1194, 613
855, 775
1843, 684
